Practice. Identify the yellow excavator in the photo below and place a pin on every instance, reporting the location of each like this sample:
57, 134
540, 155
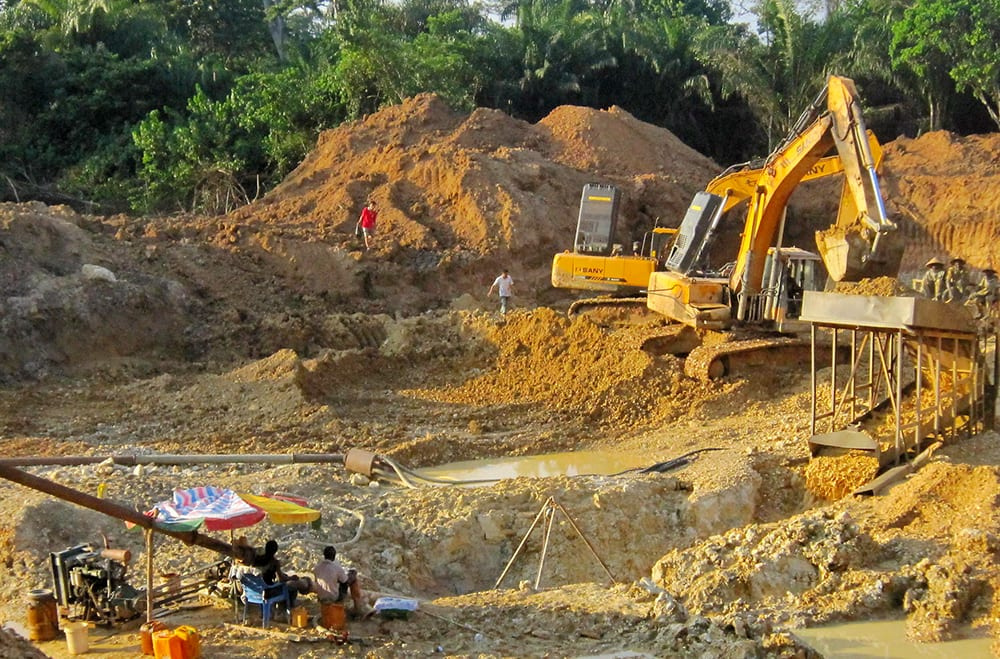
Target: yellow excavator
600, 265
762, 289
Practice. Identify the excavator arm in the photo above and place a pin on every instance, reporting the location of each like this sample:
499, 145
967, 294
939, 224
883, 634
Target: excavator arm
737, 184
853, 248
850, 249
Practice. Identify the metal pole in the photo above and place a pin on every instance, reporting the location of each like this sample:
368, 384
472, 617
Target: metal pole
898, 371
833, 381
112, 509
132, 460
954, 388
523, 541
812, 378
854, 373
149, 575
919, 374
551, 514
937, 389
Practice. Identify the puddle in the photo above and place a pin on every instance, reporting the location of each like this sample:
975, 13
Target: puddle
601, 463
624, 654
886, 639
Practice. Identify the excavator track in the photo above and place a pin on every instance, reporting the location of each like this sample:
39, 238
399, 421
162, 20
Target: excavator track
708, 362
614, 311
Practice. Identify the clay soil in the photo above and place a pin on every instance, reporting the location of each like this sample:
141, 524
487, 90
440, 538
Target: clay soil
271, 331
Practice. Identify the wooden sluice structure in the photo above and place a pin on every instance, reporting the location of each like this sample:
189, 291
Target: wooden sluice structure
904, 373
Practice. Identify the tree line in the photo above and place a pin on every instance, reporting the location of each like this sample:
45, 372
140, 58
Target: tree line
164, 105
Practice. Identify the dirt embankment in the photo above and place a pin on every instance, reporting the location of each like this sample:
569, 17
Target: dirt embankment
270, 331
460, 196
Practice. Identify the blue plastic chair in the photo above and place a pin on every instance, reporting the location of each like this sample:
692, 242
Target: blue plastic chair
255, 591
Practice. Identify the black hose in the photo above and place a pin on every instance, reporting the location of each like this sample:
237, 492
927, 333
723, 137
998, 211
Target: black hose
669, 465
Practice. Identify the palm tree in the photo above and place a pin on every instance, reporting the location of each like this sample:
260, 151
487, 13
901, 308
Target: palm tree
780, 74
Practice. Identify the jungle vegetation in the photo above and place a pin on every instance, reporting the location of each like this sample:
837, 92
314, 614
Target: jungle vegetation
152, 106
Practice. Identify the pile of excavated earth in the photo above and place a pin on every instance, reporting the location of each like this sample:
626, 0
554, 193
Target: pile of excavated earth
271, 330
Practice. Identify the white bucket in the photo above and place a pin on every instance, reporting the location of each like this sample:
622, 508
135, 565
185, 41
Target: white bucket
77, 637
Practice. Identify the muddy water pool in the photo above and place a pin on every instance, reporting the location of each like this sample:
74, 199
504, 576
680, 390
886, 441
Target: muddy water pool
886, 639
601, 463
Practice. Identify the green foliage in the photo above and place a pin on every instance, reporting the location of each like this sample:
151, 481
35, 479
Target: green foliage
191, 103
377, 66
217, 153
779, 76
919, 45
952, 42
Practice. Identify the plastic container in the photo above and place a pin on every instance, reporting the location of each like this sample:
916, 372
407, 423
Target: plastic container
167, 645
300, 617
146, 635
180, 643
77, 637
43, 617
191, 640
333, 615
395, 607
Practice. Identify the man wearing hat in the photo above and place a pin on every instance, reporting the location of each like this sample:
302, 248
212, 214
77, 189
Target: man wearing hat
933, 281
957, 286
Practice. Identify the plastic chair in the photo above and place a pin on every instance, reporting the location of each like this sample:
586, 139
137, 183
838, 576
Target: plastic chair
255, 591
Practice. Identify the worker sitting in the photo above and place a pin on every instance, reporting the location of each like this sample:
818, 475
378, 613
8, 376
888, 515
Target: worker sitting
957, 286
266, 564
332, 582
933, 281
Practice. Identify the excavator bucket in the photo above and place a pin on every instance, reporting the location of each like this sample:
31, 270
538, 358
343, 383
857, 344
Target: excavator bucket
850, 256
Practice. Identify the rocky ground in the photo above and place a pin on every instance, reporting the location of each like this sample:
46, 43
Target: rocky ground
269, 331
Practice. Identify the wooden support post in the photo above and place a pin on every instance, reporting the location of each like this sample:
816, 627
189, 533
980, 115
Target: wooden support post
149, 575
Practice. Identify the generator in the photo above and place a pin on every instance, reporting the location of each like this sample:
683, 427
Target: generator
90, 584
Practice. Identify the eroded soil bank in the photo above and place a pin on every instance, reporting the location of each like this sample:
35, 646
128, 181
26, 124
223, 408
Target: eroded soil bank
270, 331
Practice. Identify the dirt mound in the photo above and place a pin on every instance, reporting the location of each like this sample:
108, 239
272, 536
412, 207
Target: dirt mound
483, 181
615, 141
918, 552
883, 286
455, 188
66, 302
943, 189
578, 368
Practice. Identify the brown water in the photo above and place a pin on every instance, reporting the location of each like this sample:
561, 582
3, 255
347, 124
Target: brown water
886, 639
602, 463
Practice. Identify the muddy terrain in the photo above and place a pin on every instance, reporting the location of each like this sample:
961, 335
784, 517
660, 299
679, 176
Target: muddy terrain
272, 331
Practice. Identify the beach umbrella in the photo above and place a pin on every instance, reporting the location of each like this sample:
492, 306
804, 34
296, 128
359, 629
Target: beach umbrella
222, 509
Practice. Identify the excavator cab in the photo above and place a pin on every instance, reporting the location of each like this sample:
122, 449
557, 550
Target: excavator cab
788, 273
656, 245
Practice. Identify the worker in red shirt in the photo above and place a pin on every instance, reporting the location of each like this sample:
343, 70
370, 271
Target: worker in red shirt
369, 215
